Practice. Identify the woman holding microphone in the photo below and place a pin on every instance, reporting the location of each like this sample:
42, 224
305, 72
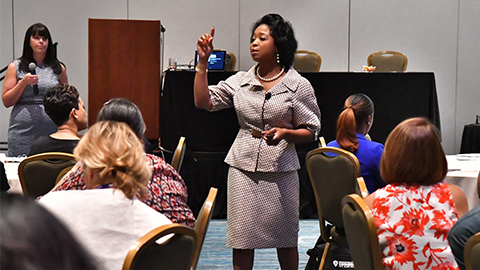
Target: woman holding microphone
26, 81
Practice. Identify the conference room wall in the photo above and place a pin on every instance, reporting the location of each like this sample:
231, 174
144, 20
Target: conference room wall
430, 33
425, 31
185, 21
468, 79
322, 26
6, 55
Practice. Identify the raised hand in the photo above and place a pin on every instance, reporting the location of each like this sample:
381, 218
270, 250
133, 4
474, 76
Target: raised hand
205, 45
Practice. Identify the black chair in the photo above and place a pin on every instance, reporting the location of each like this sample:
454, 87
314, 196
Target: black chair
201, 225
472, 253
38, 173
179, 154
334, 173
361, 234
385, 61
175, 253
307, 61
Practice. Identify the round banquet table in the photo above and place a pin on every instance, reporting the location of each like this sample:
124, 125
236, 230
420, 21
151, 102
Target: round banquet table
463, 171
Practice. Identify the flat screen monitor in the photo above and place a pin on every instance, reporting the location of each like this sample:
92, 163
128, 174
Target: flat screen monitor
216, 61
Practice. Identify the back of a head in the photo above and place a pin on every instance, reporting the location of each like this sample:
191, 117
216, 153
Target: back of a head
113, 151
32, 238
413, 154
59, 102
123, 110
356, 109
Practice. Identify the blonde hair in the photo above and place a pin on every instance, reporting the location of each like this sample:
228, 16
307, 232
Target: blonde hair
112, 150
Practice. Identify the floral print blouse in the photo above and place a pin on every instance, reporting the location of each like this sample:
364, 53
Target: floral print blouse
413, 223
167, 192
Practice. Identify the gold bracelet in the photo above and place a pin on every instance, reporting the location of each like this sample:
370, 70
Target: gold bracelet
200, 70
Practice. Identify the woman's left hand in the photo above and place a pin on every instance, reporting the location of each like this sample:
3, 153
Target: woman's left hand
299, 135
274, 135
205, 45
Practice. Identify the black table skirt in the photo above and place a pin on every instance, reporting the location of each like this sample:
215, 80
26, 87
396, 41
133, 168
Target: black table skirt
470, 139
397, 96
202, 170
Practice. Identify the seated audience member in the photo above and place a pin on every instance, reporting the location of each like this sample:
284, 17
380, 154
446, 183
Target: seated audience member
107, 217
31, 238
415, 211
167, 192
465, 228
4, 186
66, 109
353, 124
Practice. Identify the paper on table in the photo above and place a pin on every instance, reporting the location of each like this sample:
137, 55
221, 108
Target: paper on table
462, 164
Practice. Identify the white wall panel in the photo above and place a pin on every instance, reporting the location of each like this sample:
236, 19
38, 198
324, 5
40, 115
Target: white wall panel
320, 26
186, 20
468, 82
6, 56
425, 31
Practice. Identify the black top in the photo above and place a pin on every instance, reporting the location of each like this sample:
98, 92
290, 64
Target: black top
4, 186
46, 144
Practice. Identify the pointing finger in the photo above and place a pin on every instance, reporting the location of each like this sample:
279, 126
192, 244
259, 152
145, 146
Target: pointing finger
212, 32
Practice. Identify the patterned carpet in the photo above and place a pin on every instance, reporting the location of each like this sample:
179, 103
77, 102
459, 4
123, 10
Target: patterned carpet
216, 256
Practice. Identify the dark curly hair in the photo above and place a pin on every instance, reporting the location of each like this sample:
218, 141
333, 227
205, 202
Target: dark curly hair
59, 102
282, 33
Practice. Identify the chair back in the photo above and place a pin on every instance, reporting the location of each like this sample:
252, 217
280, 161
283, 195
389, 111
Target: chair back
321, 142
472, 253
179, 154
333, 176
385, 61
38, 173
361, 233
307, 61
62, 173
230, 61
201, 225
175, 253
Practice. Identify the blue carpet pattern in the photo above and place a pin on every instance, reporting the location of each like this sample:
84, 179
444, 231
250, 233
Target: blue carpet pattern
216, 256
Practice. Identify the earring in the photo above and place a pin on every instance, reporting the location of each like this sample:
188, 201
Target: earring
278, 58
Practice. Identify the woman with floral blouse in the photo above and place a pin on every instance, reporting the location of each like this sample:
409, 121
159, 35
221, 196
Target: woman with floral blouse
415, 211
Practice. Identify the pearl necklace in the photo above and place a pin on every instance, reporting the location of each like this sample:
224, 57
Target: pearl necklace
270, 79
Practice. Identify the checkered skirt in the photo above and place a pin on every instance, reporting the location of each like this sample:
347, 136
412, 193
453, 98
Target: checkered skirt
262, 209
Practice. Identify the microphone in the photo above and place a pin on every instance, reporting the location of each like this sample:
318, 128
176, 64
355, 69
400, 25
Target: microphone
32, 68
268, 96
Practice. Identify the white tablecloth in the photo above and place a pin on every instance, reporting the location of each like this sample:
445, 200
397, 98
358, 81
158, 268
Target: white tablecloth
463, 172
